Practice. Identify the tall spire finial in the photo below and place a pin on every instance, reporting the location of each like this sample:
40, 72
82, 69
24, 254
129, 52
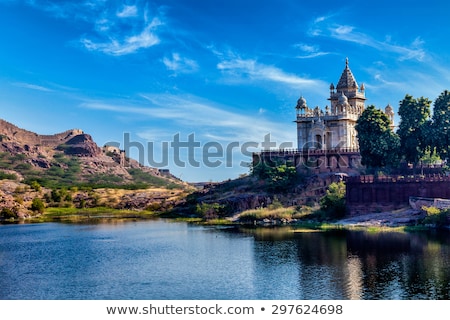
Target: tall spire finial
346, 62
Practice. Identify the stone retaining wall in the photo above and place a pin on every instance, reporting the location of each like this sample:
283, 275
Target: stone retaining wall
366, 194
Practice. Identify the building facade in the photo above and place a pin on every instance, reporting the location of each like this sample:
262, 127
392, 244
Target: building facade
333, 128
326, 138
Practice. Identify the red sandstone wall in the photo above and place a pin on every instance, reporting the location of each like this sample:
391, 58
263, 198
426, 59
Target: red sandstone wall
365, 197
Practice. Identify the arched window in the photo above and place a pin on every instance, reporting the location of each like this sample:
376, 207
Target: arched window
318, 141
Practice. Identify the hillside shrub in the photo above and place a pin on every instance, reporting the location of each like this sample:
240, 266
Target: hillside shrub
7, 176
332, 204
35, 185
211, 210
7, 213
279, 177
37, 205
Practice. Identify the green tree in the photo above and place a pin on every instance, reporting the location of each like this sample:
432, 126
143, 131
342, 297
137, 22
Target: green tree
378, 144
440, 132
333, 202
37, 205
435, 216
35, 185
278, 176
8, 213
430, 156
212, 210
414, 127
56, 195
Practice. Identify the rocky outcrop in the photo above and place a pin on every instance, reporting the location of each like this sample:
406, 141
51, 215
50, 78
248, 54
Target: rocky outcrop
15, 200
38, 147
13, 134
71, 151
46, 167
248, 193
81, 145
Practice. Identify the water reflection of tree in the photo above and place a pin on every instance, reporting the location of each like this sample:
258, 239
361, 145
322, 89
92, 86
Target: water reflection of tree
323, 259
401, 265
354, 265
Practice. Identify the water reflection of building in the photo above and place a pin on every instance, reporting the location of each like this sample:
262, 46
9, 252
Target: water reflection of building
317, 263
352, 265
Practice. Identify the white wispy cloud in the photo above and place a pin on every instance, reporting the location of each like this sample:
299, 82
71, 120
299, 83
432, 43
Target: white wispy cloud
82, 10
129, 44
348, 33
179, 64
325, 28
32, 86
244, 69
128, 11
309, 51
380, 78
116, 29
207, 118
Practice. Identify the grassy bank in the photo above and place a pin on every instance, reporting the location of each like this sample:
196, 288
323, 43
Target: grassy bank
90, 215
307, 219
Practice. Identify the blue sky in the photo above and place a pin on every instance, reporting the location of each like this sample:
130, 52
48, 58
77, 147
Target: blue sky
225, 73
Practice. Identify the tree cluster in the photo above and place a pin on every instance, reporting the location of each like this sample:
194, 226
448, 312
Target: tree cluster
421, 134
278, 176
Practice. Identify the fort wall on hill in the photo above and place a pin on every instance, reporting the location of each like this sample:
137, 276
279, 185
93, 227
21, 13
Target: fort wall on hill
11, 133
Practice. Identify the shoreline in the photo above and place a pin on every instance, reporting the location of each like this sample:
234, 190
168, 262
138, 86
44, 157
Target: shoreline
399, 220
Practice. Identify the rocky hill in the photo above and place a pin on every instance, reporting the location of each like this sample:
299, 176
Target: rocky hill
43, 152
38, 166
230, 198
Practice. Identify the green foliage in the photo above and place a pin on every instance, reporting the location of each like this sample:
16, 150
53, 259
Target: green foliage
435, 216
251, 216
64, 172
59, 157
418, 137
440, 128
17, 158
146, 179
430, 157
21, 167
379, 146
278, 176
333, 203
7, 176
211, 210
276, 204
104, 180
35, 185
414, 127
7, 213
59, 195
37, 205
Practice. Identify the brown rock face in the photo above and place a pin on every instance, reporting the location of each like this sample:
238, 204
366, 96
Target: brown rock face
82, 145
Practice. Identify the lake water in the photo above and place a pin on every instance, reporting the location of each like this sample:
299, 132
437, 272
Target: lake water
162, 260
